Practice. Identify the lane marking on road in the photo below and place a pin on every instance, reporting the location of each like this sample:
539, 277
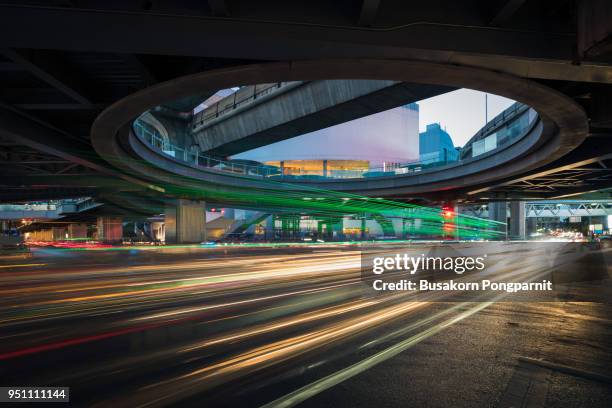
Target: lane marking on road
316, 387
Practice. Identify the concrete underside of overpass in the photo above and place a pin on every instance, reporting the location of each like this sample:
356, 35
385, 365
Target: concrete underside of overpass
54, 86
562, 127
283, 325
304, 108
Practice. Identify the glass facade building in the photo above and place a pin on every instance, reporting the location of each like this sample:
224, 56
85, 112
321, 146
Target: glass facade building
436, 145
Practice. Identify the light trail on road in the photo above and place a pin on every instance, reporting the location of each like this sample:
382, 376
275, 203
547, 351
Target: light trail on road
167, 328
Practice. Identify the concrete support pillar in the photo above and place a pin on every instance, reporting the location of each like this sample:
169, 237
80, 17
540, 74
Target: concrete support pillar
77, 231
185, 222
363, 228
531, 226
410, 228
329, 231
59, 233
269, 227
498, 211
110, 229
517, 220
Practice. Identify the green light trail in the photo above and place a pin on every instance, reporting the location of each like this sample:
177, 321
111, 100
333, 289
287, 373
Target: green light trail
302, 199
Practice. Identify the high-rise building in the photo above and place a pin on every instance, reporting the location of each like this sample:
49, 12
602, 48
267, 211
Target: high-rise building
436, 145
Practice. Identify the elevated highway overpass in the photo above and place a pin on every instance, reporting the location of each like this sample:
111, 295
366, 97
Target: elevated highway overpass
54, 87
45, 211
552, 126
256, 116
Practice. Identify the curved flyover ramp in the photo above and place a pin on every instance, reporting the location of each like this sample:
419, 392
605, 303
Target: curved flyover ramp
559, 127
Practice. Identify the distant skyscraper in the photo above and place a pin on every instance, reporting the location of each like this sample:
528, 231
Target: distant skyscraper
435, 145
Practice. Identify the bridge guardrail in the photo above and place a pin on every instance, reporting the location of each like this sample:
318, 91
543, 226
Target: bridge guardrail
206, 114
154, 139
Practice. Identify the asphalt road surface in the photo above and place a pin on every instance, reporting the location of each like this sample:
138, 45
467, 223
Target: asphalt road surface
284, 326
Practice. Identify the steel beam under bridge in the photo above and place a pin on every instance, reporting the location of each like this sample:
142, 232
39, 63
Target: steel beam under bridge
551, 209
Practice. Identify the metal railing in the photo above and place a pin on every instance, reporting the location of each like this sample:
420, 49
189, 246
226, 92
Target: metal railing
506, 117
148, 134
156, 141
28, 207
232, 102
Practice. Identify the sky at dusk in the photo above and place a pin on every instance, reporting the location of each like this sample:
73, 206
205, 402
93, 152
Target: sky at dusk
461, 112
